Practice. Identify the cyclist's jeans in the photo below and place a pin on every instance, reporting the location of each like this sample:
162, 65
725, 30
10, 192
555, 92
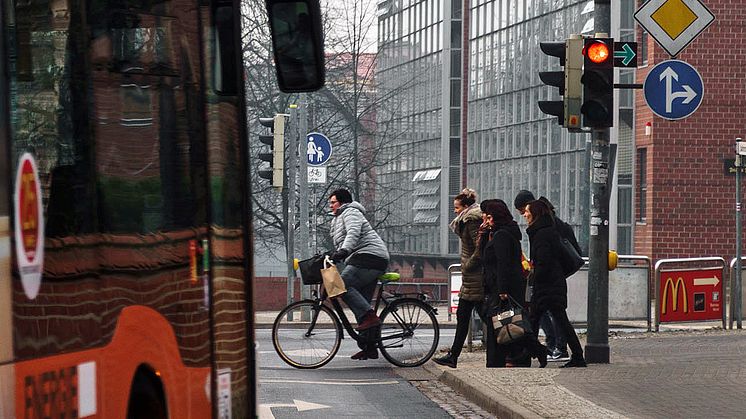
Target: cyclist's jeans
361, 284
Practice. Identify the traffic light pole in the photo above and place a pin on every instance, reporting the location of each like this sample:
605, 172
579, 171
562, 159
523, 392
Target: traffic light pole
597, 345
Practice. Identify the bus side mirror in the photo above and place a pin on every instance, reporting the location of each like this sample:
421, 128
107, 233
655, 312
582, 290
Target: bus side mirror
298, 44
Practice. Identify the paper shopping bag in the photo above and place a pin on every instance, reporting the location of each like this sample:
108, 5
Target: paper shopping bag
333, 282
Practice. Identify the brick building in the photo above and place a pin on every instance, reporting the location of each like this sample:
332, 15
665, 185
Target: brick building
684, 205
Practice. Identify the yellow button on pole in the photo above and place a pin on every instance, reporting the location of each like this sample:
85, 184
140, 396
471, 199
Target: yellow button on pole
613, 259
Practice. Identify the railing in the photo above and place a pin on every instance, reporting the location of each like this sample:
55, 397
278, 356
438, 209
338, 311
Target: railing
435, 291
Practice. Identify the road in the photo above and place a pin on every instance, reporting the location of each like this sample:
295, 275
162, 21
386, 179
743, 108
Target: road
342, 388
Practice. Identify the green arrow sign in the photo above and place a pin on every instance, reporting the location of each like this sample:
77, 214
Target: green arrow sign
625, 54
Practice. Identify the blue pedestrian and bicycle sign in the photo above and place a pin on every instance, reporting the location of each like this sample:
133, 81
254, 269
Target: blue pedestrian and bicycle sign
318, 149
673, 89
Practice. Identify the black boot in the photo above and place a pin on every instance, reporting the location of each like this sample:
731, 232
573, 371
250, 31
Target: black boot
575, 362
542, 356
370, 353
449, 360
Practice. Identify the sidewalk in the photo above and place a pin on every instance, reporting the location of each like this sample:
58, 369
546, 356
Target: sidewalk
694, 372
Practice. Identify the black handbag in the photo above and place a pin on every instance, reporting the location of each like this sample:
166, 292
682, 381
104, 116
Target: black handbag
511, 322
310, 269
570, 259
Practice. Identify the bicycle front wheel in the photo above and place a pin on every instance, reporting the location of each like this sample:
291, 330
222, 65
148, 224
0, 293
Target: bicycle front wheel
306, 335
409, 333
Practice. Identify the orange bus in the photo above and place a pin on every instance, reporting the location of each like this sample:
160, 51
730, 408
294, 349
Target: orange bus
125, 219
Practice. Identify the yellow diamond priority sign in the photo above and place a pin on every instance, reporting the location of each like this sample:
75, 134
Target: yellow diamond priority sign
674, 23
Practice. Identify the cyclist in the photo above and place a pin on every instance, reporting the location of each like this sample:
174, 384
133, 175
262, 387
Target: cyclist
365, 258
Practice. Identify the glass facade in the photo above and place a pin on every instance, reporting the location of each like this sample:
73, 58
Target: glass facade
510, 144
412, 114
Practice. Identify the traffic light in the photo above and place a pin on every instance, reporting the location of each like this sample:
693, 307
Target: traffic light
598, 83
554, 78
566, 110
276, 158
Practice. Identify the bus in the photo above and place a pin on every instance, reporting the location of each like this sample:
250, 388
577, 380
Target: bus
125, 217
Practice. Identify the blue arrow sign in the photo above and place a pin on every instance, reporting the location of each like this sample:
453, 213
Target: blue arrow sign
673, 89
318, 149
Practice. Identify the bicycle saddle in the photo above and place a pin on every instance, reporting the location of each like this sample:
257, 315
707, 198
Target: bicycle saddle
389, 277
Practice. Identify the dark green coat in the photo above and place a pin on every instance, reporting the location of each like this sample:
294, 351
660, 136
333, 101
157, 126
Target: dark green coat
467, 229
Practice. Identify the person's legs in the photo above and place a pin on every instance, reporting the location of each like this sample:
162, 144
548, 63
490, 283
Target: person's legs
360, 283
532, 344
549, 330
560, 340
564, 325
463, 317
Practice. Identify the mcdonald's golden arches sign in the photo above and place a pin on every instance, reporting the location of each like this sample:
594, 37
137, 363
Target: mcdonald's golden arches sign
690, 295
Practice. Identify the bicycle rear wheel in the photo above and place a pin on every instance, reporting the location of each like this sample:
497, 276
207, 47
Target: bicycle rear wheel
409, 333
306, 335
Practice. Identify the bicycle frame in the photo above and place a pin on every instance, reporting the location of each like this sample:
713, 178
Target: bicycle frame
342, 317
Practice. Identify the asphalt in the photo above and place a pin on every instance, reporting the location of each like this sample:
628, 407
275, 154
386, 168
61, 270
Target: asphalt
686, 370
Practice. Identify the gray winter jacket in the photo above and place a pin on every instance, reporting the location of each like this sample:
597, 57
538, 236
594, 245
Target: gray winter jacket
351, 231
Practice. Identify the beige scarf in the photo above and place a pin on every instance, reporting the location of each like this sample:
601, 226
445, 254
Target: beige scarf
460, 216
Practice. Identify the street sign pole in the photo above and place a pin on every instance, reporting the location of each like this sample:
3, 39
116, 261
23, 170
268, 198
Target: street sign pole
597, 345
737, 291
303, 185
292, 164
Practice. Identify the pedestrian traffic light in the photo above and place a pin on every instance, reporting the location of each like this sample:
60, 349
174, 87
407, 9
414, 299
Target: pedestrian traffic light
598, 83
566, 110
276, 157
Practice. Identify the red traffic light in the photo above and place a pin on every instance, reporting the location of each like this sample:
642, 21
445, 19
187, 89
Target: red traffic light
597, 51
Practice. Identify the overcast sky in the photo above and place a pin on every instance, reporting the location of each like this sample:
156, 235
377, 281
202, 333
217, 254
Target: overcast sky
342, 12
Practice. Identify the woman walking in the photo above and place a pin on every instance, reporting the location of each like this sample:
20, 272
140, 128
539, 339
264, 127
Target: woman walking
550, 286
466, 226
503, 278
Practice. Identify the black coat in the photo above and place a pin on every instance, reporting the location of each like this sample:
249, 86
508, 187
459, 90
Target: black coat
565, 230
501, 258
550, 286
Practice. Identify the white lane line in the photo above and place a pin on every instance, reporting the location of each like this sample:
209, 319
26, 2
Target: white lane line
332, 383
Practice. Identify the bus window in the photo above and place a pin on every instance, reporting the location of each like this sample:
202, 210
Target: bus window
298, 44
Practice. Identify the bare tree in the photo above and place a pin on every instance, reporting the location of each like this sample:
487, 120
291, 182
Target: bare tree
347, 110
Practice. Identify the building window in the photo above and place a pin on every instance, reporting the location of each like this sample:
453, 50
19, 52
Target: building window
644, 47
642, 183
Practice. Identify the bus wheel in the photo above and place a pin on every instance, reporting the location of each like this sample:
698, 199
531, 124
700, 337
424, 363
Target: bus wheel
147, 398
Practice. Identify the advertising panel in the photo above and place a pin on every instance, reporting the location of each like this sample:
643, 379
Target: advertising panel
691, 295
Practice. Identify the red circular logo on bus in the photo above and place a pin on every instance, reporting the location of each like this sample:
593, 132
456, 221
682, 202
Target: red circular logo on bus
28, 211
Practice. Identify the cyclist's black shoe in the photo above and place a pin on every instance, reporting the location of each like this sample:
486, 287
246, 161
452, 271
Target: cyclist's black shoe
448, 360
370, 320
366, 354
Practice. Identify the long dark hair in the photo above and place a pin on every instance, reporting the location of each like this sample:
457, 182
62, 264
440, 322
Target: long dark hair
538, 209
499, 211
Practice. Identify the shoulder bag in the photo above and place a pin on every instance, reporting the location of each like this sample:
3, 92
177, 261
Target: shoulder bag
570, 259
511, 322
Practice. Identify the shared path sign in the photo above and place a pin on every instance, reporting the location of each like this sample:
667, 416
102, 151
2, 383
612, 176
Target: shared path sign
318, 149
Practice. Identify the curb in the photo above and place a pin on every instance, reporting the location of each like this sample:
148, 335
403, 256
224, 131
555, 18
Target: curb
495, 403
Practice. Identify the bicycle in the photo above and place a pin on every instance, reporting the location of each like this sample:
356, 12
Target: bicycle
307, 334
